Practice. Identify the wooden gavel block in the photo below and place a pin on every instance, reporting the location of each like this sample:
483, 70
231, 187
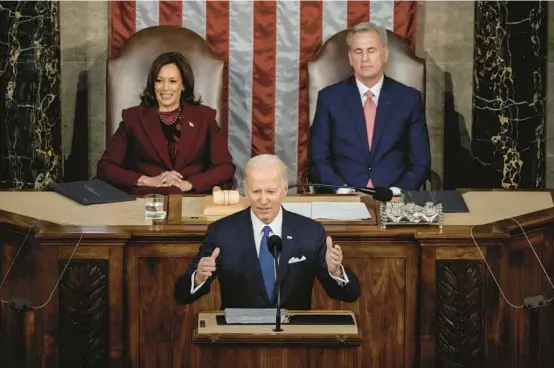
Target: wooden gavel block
225, 197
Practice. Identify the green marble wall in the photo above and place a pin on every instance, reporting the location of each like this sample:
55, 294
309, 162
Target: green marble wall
30, 130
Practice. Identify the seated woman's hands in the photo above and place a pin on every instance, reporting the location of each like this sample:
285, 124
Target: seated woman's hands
165, 179
184, 185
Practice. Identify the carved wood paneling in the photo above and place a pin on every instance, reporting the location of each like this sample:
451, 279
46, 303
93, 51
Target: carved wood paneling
380, 312
19, 284
165, 330
84, 314
459, 314
457, 300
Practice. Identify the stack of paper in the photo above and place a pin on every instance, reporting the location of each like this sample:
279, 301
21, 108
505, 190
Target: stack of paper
304, 209
340, 210
253, 316
330, 210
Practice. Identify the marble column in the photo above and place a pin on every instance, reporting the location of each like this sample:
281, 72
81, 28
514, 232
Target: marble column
509, 94
30, 133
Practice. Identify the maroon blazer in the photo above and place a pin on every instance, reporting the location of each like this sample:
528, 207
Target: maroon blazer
139, 147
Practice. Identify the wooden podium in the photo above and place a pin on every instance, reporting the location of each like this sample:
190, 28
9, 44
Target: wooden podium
428, 299
307, 337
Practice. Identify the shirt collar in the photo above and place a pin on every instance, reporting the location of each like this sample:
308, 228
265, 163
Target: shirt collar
376, 89
275, 225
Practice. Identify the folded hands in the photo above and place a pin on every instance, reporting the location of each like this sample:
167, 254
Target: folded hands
165, 179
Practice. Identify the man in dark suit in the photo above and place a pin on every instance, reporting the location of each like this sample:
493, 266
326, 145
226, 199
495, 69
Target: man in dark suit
235, 250
369, 130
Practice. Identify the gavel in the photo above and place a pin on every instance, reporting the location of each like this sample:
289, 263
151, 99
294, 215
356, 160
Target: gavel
225, 197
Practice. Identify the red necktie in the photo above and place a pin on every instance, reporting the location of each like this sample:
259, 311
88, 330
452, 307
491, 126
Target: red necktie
369, 112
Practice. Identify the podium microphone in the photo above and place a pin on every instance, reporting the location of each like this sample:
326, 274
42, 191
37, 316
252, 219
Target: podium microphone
379, 193
275, 245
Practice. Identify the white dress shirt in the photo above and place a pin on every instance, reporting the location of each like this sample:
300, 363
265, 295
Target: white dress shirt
376, 90
258, 227
276, 229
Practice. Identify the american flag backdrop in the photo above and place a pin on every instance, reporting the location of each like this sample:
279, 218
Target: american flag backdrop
266, 46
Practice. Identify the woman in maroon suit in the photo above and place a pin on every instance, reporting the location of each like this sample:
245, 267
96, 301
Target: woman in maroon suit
170, 143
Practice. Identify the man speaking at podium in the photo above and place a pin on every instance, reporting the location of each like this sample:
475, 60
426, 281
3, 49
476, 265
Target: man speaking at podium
235, 250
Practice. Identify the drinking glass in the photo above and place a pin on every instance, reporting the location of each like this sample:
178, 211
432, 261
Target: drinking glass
154, 207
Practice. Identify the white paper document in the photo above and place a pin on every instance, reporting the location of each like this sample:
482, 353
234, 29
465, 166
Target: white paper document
340, 211
253, 316
330, 210
304, 209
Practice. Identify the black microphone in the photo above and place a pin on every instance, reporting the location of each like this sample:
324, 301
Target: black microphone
275, 245
379, 193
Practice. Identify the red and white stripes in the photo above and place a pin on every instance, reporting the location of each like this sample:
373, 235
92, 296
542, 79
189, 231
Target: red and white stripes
266, 46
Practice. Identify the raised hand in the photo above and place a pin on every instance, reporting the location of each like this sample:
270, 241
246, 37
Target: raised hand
206, 267
333, 257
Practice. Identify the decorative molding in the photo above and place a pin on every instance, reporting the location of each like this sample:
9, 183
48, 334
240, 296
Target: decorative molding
84, 321
459, 314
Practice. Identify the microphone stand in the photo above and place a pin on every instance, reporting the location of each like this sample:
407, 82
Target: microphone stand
278, 289
369, 191
378, 193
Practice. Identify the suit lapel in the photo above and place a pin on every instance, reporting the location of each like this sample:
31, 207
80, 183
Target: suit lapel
356, 112
384, 110
245, 225
289, 245
190, 125
151, 126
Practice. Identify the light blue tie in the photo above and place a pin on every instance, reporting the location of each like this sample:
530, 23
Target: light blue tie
267, 265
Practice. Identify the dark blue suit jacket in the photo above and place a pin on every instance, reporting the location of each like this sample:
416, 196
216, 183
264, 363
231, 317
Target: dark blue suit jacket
239, 272
339, 152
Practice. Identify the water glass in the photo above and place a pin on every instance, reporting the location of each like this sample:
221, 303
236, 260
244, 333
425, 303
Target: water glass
154, 207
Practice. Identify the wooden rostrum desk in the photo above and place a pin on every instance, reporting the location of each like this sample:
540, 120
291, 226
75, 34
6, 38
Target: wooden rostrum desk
427, 300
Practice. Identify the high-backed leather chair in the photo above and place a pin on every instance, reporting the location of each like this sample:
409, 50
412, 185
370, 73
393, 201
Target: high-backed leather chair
331, 65
127, 73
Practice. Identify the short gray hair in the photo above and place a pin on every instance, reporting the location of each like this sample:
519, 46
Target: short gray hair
264, 160
367, 27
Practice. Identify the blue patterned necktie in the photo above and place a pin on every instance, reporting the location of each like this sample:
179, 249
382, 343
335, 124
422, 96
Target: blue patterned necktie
267, 265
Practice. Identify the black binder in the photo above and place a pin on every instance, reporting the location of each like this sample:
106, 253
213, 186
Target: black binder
93, 191
452, 200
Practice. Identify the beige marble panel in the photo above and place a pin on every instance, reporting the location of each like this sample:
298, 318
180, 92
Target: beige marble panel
445, 41
447, 30
97, 112
84, 41
434, 101
459, 84
84, 29
437, 162
70, 90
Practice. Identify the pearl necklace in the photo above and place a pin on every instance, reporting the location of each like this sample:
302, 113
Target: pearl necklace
174, 120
